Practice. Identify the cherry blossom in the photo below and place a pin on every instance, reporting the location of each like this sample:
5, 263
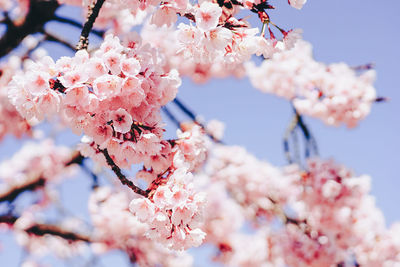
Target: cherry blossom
207, 16
334, 93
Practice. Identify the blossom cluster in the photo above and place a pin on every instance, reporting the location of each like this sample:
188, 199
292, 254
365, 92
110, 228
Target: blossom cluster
11, 122
312, 204
173, 210
116, 228
114, 96
254, 184
120, 15
174, 214
123, 15
216, 45
334, 93
332, 196
241, 188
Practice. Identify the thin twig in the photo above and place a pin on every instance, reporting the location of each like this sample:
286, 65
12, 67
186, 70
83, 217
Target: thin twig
381, 99
310, 145
76, 24
52, 38
289, 130
87, 27
185, 109
121, 176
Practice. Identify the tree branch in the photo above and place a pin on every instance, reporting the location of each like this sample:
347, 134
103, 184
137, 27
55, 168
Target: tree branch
185, 109
11, 194
121, 176
44, 229
310, 145
171, 116
93, 12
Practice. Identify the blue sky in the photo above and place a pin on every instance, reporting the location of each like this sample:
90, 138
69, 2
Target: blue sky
356, 32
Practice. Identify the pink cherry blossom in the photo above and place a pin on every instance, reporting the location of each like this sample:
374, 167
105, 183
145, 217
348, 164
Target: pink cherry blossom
207, 16
130, 66
122, 120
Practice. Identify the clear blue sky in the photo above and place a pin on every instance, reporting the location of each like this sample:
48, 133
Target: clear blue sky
356, 32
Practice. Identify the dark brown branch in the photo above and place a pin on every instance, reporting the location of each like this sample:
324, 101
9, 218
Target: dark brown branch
121, 176
93, 12
11, 194
40, 12
48, 229
8, 219
6, 20
38, 182
76, 158
44, 229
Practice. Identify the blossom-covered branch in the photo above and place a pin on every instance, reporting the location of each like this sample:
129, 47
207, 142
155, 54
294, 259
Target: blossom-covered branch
41, 229
32, 172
